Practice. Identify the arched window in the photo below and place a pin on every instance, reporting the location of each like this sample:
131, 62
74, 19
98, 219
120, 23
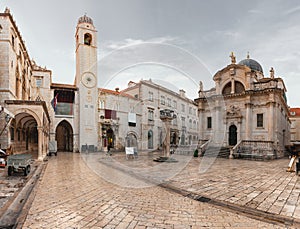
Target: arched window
87, 39
227, 89
238, 87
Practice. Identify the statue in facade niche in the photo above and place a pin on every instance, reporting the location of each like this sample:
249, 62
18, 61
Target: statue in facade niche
233, 111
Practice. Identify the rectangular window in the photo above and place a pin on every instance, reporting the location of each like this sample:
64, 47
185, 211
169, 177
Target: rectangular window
209, 123
182, 107
150, 96
38, 82
174, 122
169, 102
110, 114
183, 121
150, 115
162, 100
102, 104
260, 120
174, 104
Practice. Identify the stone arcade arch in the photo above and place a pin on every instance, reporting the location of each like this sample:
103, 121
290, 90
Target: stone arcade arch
23, 133
64, 136
29, 130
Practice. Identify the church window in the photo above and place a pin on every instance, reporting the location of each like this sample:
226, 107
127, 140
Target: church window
209, 123
227, 89
87, 39
260, 120
238, 87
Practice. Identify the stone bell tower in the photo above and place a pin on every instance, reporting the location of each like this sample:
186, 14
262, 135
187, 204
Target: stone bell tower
86, 82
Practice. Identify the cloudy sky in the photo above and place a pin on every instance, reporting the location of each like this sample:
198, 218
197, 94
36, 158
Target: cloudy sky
175, 42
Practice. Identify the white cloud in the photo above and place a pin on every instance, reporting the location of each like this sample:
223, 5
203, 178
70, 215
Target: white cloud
107, 47
255, 11
292, 10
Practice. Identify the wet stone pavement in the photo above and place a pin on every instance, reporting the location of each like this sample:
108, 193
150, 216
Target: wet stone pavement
10, 185
99, 191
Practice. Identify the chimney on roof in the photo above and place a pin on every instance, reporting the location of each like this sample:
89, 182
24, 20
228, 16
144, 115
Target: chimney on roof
117, 89
182, 93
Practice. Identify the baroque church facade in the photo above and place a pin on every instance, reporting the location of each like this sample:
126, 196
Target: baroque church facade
244, 109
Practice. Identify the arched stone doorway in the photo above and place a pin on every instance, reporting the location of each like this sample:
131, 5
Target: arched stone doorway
64, 136
232, 135
110, 138
150, 139
131, 140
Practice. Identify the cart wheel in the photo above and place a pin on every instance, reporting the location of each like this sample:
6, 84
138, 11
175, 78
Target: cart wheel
10, 170
26, 170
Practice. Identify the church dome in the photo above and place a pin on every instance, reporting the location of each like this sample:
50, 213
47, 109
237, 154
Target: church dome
85, 19
252, 64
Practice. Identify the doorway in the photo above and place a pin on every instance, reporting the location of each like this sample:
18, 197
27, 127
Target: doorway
64, 136
232, 135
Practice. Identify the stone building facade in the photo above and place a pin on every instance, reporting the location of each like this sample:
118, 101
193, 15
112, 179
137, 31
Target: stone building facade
154, 98
25, 119
295, 124
245, 110
119, 120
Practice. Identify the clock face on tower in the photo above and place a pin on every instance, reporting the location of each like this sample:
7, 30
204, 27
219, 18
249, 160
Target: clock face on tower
88, 79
